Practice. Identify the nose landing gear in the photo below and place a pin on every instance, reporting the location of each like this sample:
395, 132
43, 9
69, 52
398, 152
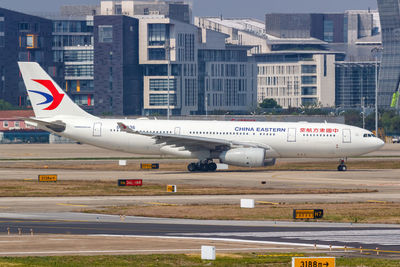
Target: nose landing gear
342, 166
202, 166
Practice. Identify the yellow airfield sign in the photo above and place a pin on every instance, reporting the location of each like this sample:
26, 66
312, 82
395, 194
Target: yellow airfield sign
47, 177
313, 262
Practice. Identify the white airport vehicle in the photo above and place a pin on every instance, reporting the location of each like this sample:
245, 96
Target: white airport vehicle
250, 144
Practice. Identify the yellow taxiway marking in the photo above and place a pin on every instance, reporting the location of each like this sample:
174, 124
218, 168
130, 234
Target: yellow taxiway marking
72, 205
160, 204
266, 202
376, 201
29, 179
282, 255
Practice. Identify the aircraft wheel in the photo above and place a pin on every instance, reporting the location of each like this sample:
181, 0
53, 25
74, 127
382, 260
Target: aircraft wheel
212, 166
342, 168
192, 167
204, 167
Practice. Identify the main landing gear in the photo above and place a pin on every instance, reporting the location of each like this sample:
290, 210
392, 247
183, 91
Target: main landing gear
202, 166
342, 167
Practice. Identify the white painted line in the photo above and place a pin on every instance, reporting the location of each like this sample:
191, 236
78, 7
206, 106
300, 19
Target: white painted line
94, 251
226, 240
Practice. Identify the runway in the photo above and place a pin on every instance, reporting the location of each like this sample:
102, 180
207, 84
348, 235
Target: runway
386, 238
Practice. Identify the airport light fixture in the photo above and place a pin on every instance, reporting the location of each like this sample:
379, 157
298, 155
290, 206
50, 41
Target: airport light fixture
376, 52
168, 49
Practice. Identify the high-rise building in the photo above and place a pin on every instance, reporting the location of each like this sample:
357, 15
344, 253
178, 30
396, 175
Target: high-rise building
389, 78
117, 74
227, 77
73, 57
168, 44
22, 38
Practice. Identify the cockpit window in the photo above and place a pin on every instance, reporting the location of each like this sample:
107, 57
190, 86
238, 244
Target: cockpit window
369, 135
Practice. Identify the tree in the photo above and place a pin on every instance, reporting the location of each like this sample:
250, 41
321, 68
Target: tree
4, 105
269, 103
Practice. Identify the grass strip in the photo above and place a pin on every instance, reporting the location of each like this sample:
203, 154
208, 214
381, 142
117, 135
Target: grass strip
254, 260
30, 187
333, 212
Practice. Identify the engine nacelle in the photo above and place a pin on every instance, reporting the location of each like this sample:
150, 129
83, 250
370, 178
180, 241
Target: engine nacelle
246, 157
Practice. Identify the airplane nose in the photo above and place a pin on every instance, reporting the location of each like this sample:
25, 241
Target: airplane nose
379, 142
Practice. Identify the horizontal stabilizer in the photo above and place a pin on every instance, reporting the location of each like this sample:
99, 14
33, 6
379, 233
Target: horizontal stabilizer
56, 126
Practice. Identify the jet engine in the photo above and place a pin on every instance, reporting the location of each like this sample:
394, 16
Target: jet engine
246, 157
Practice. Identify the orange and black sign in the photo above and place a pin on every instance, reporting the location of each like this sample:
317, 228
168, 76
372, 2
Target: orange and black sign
47, 178
132, 182
149, 166
313, 261
308, 214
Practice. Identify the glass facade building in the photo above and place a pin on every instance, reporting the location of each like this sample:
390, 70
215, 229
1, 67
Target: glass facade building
389, 11
355, 84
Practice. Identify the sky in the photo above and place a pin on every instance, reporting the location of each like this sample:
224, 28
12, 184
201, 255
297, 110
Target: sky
226, 8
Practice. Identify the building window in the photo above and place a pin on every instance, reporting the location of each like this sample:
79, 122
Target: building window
118, 9
2, 27
31, 41
24, 26
308, 101
328, 31
2, 78
158, 34
86, 100
311, 90
106, 34
162, 84
78, 55
309, 79
79, 70
5, 124
156, 54
162, 99
308, 69
17, 124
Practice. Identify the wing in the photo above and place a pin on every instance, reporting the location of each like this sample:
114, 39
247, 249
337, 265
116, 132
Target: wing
193, 143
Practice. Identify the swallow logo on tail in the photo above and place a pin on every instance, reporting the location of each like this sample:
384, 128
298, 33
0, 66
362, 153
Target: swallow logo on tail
54, 97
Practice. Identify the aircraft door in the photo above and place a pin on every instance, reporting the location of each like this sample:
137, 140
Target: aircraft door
97, 129
177, 131
346, 136
291, 137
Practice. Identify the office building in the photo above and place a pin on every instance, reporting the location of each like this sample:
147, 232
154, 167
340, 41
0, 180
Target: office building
118, 76
168, 46
389, 11
296, 79
73, 57
176, 10
22, 38
355, 84
227, 78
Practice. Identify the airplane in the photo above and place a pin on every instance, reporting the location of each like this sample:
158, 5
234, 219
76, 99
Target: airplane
247, 144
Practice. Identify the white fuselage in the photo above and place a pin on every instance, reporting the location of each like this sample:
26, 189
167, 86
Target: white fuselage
286, 140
